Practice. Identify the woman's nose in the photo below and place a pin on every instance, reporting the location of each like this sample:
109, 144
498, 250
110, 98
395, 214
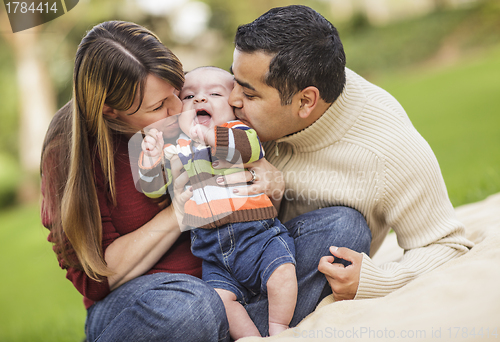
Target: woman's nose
174, 106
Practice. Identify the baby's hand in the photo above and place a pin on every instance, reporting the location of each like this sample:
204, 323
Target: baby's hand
202, 134
198, 133
152, 146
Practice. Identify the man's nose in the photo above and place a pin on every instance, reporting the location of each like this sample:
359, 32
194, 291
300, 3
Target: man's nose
235, 97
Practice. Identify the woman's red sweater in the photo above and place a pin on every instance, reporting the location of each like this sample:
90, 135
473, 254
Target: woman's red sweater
134, 209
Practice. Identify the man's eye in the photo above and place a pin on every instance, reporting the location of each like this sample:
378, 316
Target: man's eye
248, 96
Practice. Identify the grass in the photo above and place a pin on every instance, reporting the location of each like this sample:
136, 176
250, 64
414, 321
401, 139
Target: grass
37, 302
456, 110
378, 49
375, 50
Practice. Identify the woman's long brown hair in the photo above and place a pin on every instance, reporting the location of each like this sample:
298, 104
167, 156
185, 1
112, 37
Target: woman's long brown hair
111, 66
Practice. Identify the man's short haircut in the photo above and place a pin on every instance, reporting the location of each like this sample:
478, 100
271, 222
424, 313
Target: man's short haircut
306, 47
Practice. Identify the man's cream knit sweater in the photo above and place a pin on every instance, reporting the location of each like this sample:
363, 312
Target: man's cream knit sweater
364, 153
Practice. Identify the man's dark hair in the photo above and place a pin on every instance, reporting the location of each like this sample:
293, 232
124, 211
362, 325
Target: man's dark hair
307, 49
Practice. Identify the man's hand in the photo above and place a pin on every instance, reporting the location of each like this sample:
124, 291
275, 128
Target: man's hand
343, 280
268, 180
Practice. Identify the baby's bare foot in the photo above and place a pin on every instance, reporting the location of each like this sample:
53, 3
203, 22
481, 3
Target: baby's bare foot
276, 328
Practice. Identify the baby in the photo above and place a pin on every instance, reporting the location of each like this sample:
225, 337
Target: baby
245, 248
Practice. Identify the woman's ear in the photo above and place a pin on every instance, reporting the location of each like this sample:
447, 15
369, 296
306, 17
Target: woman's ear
110, 112
309, 98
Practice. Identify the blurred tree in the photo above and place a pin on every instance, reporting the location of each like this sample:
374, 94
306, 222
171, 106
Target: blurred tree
36, 52
36, 104
228, 15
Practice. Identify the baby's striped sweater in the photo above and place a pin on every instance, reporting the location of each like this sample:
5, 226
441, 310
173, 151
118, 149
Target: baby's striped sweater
212, 205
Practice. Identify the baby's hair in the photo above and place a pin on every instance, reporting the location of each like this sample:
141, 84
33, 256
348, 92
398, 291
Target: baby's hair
207, 67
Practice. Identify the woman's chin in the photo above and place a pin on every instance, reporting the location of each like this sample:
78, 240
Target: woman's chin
171, 131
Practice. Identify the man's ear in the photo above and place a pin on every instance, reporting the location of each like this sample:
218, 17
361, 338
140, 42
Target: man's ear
110, 112
308, 98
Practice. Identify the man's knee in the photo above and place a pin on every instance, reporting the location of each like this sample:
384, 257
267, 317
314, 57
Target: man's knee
342, 225
344, 216
353, 226
328, 218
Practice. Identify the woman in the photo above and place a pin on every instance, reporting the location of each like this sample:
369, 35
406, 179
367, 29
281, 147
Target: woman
122, 251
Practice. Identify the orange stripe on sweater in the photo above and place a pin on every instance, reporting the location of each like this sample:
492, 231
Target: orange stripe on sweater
218, 207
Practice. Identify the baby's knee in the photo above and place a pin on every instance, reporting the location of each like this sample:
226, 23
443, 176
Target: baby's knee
226, 295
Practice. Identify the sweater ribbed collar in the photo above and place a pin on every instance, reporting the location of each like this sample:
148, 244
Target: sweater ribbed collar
335, 121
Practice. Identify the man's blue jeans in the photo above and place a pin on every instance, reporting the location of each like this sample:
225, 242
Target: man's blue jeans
176, 307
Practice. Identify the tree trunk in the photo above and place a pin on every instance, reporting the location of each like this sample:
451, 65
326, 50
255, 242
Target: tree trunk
37, 104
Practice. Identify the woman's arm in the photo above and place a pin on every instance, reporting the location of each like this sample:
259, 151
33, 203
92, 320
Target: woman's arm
133, 254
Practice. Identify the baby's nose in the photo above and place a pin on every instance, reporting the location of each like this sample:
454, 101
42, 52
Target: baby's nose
200, 98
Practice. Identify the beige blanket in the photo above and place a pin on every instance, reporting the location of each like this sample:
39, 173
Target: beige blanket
459, 301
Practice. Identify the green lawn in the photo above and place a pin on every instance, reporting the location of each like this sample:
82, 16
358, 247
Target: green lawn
456, 109
37, 302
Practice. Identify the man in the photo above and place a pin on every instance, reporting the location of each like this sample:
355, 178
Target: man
341, 141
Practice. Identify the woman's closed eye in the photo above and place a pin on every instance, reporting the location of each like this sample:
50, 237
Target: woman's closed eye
159, 107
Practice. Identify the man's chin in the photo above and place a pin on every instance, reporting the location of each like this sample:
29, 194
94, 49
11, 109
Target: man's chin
243, 120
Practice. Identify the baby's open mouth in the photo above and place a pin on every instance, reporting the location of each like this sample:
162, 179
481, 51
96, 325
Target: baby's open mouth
203, 117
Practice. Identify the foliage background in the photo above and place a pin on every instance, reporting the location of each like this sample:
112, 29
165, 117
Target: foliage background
443, 66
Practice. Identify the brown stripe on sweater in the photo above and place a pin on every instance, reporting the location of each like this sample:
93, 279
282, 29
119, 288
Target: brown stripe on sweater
244, 147
234, 217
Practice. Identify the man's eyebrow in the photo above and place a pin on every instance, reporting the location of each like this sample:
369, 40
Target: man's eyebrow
241, 83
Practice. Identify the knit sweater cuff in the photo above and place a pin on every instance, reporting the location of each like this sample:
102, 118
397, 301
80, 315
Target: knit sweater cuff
151, 167
220, 150
375, 282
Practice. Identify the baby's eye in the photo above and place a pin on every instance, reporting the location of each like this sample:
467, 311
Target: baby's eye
187, 97
216, 94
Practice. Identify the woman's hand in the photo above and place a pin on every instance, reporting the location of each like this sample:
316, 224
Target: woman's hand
343, 280
180, 195
268, 179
